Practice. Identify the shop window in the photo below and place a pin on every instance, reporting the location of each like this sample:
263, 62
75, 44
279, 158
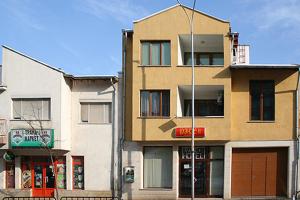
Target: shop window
216, 171
61, 173
96, 112
204, 58
156, 53
31, 109
158, 167
26, 173
10, 174
78, 172
262, 95
155, 103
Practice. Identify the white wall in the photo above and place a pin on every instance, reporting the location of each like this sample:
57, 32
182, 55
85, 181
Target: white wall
93, 141
26, 78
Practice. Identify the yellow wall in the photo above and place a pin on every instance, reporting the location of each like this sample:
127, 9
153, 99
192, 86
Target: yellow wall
235, 123
285, 89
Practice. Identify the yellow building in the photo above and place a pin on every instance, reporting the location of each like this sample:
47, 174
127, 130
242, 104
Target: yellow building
245, 113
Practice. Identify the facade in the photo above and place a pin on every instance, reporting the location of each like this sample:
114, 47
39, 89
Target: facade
246, 119
58, 131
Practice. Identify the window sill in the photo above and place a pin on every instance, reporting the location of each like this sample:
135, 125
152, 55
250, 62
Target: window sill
30, 120
261, 121
156, 189
189, 117
154, 117
200, 65
154, 66
86, 123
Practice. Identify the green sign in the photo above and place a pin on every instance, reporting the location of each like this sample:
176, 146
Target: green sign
32, 138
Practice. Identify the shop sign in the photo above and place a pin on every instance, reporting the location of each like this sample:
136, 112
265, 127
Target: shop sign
8, 156
187, 132
32, 138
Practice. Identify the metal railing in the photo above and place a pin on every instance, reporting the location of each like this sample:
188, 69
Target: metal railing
29, 198
88, 198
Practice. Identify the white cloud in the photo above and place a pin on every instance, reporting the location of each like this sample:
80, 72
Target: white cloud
22, 13
123, 11
275, 13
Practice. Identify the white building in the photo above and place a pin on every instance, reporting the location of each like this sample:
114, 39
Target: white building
44, 112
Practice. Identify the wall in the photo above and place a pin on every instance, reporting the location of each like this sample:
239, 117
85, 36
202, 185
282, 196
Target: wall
167, 26
285, 90
26, 78
93, 141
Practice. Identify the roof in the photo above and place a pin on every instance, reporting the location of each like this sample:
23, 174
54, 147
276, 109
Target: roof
176, 5
265, 66
92, 77
77, 77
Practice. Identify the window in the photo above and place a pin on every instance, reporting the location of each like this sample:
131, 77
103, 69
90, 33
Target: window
204, 58
158, 167
78, 172
61, 173
10, 174
262, 95
96, 112
155, 103
31, 109
156, 53
204, 107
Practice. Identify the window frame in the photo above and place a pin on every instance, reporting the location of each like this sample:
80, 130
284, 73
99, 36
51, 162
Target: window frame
7, 164
165, 147
21, 118
197, 58
88, 103
73, 165
150, 55
261, 99
160, 102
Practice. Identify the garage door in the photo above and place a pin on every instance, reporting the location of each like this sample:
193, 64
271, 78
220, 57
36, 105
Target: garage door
259, 172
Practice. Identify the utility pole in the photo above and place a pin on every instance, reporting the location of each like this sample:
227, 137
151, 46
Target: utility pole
191, 23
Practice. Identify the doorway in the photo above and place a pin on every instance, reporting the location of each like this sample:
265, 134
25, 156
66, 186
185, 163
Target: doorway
43, 178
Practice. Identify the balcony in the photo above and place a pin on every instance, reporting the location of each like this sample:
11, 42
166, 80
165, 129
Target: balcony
209, 101
208, 50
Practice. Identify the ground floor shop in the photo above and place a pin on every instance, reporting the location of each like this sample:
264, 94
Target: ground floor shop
222, 170
43, 175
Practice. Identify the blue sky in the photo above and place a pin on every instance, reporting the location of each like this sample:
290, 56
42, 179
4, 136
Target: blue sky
84, 36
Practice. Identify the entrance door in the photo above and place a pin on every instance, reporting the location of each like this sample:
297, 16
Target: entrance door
200, 184
43, 179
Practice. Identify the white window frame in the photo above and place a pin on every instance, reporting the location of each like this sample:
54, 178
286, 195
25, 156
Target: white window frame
88, 103
30, 99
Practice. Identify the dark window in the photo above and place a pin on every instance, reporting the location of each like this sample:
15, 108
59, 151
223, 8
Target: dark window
204, 107
10, 174
78, 172
262, 95
156, 53
204, 58
155, 103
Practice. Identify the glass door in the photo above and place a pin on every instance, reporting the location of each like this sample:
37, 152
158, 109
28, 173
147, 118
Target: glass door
43, 179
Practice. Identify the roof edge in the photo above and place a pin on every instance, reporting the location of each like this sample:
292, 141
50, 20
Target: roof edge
33, 59
171, 7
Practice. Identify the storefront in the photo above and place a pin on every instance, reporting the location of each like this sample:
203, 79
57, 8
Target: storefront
209, 168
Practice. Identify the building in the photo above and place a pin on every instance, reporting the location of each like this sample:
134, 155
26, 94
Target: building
58, 131
245, 113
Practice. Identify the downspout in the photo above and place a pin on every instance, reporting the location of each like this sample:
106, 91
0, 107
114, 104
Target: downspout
121, 139
113, 135
297, 138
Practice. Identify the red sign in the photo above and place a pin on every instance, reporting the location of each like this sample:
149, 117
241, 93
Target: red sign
187, 132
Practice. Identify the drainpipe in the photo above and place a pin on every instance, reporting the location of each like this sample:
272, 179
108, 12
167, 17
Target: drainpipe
121, 136
113, 135
297, 138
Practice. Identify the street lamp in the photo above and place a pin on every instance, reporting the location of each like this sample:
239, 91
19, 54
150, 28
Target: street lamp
191, 23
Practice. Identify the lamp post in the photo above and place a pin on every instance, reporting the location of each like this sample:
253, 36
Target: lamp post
191, 24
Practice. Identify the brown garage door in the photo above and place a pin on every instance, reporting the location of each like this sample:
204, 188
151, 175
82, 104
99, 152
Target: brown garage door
259, 172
